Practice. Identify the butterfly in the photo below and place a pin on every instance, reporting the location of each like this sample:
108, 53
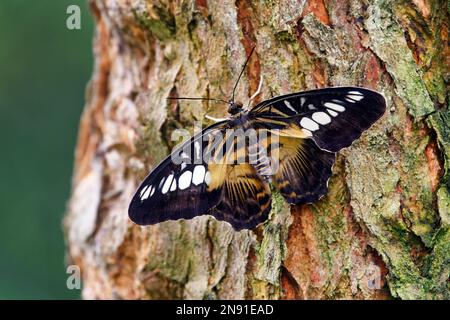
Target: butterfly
293, 144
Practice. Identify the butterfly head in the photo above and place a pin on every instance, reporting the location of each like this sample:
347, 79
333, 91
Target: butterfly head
234, 107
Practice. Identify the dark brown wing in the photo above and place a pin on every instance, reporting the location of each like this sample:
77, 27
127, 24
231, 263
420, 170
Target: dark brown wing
304, 170
333, 117
245, 199
178, 187
203, 183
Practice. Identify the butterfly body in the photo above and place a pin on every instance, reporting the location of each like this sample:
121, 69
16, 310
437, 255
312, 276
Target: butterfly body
290, 141
240, 119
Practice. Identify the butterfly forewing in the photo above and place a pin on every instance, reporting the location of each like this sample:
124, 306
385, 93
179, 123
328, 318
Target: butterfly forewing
333, 117
204, 176
178, 187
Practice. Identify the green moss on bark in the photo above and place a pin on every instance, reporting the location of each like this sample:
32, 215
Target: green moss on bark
271, 251
160, 23
388, 42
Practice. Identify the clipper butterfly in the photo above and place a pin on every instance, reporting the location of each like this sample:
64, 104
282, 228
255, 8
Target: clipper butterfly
216, 175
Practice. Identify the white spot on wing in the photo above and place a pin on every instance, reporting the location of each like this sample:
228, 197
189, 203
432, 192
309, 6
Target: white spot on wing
333, 113
146, 192
302, 101
144, 189
311, 107
308, 124
198, 175
184, 180
153, 191
354, 97
334, 106
307, 133
161, 182
321, 117
167, 184
355, 93
173, 187
289, 105
183, 165
208, 178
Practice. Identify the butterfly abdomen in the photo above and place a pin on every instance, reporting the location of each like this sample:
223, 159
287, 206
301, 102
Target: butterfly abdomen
260, 160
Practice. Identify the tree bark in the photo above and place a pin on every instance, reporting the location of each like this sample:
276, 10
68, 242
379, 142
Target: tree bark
381, 232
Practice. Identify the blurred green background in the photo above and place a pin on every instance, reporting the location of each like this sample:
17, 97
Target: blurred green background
44, 68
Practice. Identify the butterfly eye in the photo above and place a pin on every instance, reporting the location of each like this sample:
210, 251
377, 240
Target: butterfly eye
234, 108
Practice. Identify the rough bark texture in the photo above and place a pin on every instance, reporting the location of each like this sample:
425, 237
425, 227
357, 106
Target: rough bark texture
382, 231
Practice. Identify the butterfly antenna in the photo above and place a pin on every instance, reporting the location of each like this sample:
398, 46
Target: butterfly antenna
204, 99
242, 71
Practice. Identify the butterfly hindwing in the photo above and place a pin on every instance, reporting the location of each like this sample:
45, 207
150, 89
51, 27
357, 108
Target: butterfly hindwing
303, 171
333, 117
245, 197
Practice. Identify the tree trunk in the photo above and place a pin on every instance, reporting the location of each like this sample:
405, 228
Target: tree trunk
381, 232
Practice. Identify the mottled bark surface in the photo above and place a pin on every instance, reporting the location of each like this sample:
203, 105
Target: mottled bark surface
381, 232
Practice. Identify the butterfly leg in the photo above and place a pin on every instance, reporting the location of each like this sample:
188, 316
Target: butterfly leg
258, 91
